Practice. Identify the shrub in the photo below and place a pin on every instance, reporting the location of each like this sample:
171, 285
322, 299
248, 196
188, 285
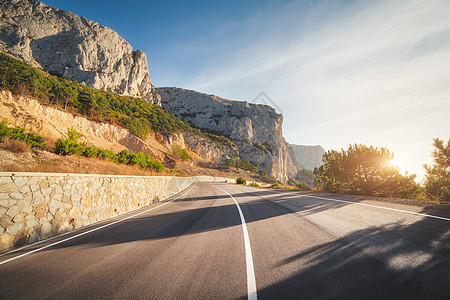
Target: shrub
17, 146
241, 180
155, 165
277, 185
303, 186
263, 173
437, 180
241, 164
107, 154
19, 133
91, 151
180, 153
69, 145
123, 157
253, 184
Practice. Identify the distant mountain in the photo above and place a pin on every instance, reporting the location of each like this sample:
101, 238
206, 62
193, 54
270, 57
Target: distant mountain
256, 129
308, 156
74, 47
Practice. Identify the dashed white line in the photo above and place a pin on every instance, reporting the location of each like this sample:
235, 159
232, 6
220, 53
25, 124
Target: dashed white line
89, 231
251, 281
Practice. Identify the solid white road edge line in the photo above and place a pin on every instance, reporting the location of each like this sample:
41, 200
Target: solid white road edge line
382, 207
370, 205
251, 281
92, 230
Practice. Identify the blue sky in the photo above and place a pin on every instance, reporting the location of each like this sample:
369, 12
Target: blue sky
371, 72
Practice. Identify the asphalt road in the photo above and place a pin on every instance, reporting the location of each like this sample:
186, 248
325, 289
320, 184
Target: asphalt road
292, 246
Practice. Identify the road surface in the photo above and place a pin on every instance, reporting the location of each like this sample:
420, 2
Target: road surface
222, 241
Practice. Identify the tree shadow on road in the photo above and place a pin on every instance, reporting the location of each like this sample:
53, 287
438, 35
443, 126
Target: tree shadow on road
394, 261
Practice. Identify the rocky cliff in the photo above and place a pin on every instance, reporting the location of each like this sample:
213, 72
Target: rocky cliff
256, 129
74, 47
308, 156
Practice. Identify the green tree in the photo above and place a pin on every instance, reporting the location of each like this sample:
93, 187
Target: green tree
437, 180
364, 170
241, 180
180, 153
70, 145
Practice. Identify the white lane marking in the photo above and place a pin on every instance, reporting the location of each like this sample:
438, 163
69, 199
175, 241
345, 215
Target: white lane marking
92, 230
370, 205
251, 281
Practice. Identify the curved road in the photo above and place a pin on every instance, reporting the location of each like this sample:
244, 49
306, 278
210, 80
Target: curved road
226, 241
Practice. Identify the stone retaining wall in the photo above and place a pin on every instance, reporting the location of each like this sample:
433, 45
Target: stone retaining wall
36, 206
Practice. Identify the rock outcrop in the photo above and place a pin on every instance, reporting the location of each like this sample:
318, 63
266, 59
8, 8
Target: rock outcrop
74, 47
309, 157
256, 129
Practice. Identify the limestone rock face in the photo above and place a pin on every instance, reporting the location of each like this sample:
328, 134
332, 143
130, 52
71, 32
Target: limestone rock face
74, 47
256, 129
308, 156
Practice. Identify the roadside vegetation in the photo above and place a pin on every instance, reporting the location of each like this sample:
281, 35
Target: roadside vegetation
241, 180
364, 170
132, 113
437, 180
368, 170
20, 134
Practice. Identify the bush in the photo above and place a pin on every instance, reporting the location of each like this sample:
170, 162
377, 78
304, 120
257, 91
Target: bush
17, 146
19, 133
107, 154
91, 151
242, 164
263, 173
253, 184
180, 153
241, 180
139, 159
277, 185
69, 145
437, 180
155, 165
303, 187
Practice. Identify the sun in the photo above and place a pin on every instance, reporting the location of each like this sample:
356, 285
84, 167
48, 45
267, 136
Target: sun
394, 162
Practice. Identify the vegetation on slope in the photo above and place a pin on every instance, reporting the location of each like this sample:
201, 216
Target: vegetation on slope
71, 146
132, 113
19, 133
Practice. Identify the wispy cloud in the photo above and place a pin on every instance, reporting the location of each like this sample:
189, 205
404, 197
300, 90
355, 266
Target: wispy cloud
375, 72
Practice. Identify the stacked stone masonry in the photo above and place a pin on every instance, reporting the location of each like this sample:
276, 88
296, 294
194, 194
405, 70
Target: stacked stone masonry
34, 207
